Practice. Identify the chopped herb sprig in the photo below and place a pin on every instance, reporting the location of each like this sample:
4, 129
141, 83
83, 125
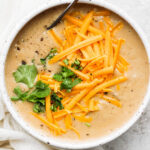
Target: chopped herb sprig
88, 124
56, 102
67, 78
77, 65
36, 95
26, 74
51, 54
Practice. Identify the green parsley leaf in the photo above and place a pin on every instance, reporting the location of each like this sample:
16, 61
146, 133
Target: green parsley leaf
41, 91
76, 81
36, 96
58, 77
67, 72
53, 108
80, 68
41, 85
15, 98
77, 65
51, 54
77, 62
88, 124
56, 102
66, 61
38, 107
33, 60
53, 50
43, 61
68, 90
66, 84
68, 79
26, 74
20, 95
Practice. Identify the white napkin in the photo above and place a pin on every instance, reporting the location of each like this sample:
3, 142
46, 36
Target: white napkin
11, 133
13, 136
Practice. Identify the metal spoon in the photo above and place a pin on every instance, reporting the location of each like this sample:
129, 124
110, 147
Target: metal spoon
62, 14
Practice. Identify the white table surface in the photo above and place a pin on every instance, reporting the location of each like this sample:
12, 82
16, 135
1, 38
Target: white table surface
136, 138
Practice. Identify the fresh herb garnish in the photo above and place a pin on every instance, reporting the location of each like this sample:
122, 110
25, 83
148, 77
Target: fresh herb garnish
77, 62
76, 81
26, 74
67, 73
68, 83
51, 54
43, 61
19, 94
33, 60
63, 74
41, 91
77, 65
38, 107
36, 95
88, 124
66, 61
68, 79
56, 102
58, 77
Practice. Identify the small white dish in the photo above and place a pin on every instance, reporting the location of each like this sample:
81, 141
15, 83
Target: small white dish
33, 132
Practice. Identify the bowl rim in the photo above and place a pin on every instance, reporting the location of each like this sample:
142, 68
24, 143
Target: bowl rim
84, 145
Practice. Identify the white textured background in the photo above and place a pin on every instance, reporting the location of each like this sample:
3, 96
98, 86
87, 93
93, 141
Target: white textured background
138, 137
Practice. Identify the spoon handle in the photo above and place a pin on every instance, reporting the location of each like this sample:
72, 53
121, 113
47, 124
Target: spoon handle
62, 15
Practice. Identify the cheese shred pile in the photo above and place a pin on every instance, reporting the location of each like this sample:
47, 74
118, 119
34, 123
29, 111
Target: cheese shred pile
94, 44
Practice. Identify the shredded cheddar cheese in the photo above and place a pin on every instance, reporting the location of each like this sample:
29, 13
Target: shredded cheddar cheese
98, 51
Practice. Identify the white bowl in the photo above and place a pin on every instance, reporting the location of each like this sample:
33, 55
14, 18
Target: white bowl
33, 132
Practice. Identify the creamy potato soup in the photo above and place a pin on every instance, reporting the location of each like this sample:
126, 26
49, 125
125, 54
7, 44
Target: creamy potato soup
112, 105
